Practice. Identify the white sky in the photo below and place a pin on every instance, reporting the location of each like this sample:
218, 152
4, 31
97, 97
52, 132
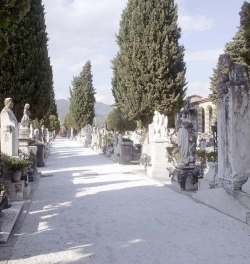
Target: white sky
81, 30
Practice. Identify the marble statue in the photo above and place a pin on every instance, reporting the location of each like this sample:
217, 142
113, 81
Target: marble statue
9, 129
160, 124
183, 128
25, 119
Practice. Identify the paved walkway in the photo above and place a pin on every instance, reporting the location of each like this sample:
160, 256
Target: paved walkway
88, 209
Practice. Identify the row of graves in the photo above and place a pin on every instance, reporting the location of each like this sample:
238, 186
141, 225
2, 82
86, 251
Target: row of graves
23, 149
215, 168
125, 149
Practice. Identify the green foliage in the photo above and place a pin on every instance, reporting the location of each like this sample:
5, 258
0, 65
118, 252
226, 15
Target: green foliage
206, 156
14, 164
173, 154
149, 70
25, 70
54, 123
11, 11
235, 49
82, 99
116, 121
245, 23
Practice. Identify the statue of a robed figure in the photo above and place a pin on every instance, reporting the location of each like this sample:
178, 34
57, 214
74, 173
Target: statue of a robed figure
233, 123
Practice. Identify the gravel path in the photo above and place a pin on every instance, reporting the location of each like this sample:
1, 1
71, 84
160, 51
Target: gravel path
88, 209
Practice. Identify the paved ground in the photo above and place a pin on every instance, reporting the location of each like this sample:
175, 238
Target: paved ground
88, 209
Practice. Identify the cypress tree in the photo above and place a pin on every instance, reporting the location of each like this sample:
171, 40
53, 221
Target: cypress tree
148, 70
83, 98
245, 23
11, 11
235, 49
25, 70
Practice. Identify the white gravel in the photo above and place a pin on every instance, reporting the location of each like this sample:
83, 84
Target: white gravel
93, 210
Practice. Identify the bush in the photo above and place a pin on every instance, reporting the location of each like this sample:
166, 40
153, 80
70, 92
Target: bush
14, 164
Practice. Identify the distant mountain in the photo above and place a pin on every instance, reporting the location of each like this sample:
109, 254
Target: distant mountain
101, 110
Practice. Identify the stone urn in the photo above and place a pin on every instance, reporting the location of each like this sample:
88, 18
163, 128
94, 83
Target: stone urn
16, 176
211, 171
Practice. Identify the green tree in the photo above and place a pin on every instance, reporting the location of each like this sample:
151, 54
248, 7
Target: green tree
149, 70
235, 49
68, 122
116, 121
82, 99
245, 23
25, 70
54, 124
11, 11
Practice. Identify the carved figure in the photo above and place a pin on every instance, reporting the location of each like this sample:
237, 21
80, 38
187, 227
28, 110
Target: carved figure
184, 124
9, 129
160, 124
8, 114
237, 73
26, 115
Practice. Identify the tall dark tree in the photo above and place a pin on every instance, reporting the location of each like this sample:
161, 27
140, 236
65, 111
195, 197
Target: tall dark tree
235, 49
11, 11
25, 70
149, 70
83, 98
245, 23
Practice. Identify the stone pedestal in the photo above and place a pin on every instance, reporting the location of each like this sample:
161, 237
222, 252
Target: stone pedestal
24, 138
33, 153
159, 160
231, 202
16, 191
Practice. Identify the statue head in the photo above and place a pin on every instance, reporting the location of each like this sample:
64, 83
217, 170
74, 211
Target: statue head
27, 106
8, 102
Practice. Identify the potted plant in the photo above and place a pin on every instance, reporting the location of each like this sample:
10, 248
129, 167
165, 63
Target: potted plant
15, 164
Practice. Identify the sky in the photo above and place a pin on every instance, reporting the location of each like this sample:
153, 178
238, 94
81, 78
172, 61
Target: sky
82, 30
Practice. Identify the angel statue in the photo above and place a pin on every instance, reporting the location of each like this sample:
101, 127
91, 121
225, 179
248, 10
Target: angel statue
184, 129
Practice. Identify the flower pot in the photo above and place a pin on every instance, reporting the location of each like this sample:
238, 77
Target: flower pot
16, 176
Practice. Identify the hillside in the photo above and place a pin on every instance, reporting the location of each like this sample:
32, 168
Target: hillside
101, 110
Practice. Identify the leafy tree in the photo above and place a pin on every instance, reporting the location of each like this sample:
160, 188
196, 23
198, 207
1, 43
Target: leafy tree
116, 121
54, 124
245, 23
149, 70
235, 49
68, 121
82, 99
25, 70
11, 11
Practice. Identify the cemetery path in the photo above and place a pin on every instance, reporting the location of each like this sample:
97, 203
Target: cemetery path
91, 210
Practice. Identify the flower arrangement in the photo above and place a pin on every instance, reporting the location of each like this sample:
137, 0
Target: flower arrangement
13, 163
